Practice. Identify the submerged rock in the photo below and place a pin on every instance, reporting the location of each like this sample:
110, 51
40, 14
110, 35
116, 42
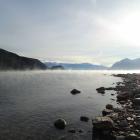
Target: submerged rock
84, 118
72, 131
60, 123
75, 91
101, 90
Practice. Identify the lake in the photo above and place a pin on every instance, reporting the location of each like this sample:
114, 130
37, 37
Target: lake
30, 102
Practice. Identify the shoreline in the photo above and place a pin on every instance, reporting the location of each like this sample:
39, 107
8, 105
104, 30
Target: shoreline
120, 123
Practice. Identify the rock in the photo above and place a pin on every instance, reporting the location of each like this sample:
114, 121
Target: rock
122, 96
137, 96
75, 91
101, 90
120, 88
106, 112
103, 123
123, 123
80, 131
110, 88
120, 137
109, 106
84, 118
113, 116
72, 131
62, 138
130, 119
132, 137
60, 123
136, 101
117, 110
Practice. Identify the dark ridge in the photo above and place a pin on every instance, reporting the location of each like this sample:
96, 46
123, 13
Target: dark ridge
12, 61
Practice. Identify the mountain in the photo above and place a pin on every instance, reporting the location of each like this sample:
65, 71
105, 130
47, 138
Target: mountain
127, 64
75, 66
12, 61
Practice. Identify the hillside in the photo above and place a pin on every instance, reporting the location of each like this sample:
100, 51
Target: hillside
12, 61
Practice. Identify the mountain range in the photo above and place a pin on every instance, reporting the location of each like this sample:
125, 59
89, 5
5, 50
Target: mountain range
77, 66
124, 64
127, 64
12, 61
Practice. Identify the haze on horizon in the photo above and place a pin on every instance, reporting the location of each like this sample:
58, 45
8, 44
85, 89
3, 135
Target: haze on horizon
94, 31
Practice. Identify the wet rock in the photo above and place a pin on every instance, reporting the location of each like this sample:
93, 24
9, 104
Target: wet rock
110, 88
122, 96
109, 106
75, 91
106, 112
101, 90
60, 123
103, 123
84, 119
120, 88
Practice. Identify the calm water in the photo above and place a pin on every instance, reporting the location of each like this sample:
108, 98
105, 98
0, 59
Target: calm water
31, 101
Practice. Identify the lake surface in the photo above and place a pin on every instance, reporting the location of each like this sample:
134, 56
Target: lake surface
30, 102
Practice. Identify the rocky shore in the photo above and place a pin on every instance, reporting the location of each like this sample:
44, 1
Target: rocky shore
121, 123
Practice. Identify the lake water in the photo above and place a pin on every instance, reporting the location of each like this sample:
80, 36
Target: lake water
31, 101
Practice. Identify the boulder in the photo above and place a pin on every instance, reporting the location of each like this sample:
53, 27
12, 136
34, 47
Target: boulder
60, 123
75, 91
103, 123
84, 118
106, 112
109, 106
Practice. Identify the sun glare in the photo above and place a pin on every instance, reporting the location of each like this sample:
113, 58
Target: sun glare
128, 28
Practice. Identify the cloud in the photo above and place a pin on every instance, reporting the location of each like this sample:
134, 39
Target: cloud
75, 30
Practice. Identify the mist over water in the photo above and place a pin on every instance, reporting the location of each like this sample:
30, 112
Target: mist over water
31, 101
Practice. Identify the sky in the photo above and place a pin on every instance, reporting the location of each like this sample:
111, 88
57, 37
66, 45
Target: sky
73, 31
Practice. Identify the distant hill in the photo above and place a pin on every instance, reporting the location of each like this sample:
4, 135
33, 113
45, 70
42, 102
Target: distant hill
12, 61
75, 66
57, 67
127, 64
